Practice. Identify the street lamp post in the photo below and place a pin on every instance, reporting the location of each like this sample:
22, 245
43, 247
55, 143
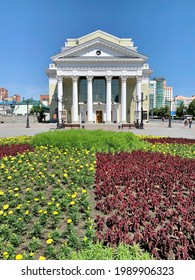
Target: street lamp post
142, 112
27, 101
169, 113
141, 125
137, 112
57, 111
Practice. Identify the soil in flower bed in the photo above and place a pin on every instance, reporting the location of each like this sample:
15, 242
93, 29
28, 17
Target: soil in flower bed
146, 198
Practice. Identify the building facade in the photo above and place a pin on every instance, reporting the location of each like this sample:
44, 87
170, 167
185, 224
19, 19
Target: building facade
160, 94
98, 78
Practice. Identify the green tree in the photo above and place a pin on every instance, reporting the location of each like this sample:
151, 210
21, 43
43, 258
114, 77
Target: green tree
180, 110
191, 108
39, 112
164, 112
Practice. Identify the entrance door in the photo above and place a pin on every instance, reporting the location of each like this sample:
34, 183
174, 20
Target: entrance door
98, 116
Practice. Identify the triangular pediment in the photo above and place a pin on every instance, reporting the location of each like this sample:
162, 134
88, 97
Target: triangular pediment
98, 48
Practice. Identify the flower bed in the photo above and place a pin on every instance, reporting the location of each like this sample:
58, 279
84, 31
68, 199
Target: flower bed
146, 198
47, 199
166, 140
44, 205
14, 149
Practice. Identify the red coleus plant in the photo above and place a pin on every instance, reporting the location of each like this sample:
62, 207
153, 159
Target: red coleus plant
14, 149
170, 140
147, 198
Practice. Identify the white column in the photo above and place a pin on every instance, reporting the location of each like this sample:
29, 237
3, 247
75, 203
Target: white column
108, 98
60, 97
89, 99
123, 98
75, 117
138, 94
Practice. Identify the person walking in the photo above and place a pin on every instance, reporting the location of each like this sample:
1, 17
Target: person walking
185, 123
163, 119
190, 123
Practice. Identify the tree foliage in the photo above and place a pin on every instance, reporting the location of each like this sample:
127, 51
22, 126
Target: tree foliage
191, 108
39, 112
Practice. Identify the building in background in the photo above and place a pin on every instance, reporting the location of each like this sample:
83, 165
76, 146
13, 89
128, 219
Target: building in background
160, 95
20, 108
7, 101
3, 93
44, 99
98, 78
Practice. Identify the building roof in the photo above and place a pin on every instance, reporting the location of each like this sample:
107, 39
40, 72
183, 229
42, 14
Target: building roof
33, 103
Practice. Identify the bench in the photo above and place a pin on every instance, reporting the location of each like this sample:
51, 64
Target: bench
129, 125
72, 125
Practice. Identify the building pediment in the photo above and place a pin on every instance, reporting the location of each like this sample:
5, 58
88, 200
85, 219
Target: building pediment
98, 48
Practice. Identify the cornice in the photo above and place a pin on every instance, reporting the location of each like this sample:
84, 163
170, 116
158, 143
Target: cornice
76, 67
99, 60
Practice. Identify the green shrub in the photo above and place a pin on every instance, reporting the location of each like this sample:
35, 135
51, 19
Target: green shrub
106, 141
99, 252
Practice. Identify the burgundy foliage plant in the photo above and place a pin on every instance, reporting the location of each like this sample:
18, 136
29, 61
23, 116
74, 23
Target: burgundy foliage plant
147, 198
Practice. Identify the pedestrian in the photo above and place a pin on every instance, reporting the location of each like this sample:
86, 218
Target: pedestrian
163, 119
185, 123
190, 123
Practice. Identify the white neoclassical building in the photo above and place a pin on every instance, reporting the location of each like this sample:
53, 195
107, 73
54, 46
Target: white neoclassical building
99, 78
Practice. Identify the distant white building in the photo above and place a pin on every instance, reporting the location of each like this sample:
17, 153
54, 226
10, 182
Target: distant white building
20, 108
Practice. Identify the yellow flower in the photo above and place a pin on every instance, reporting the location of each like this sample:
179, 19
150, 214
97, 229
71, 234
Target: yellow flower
85, 239
41, 258
10, 212
49, 241
55, 212
27, 212
31, 254
6, 255
1, 192
84, 191
73, 195
65, 175
69, 221
19, 257
5, 207
1, 212
72, 203
9, 177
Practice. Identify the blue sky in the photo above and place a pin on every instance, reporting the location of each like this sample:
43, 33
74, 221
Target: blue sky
31, 31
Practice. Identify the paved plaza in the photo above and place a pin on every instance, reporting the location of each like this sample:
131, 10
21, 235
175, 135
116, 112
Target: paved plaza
155, 128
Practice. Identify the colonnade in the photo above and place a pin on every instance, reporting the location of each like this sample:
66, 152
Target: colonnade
75, 115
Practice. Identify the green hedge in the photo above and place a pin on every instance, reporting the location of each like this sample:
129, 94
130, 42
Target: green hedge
100, 140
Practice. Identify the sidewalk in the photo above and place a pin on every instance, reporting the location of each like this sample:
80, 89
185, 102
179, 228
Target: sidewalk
152, 128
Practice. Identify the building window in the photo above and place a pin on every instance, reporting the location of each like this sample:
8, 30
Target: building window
115, 89
99, 90
83, 90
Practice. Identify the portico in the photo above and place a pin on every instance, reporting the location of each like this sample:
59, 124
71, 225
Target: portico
96, 78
